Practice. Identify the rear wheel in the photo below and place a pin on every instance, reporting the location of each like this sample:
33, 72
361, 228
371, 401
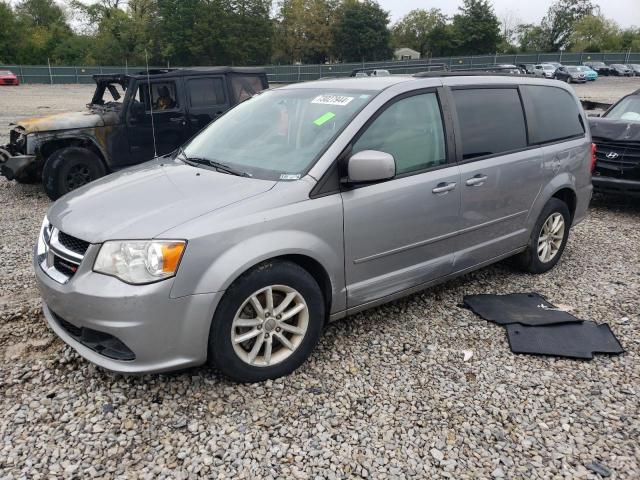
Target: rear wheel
70, 168
267, 323
548, 238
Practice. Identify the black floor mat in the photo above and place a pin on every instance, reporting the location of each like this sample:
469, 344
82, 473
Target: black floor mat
575, 340
524, 308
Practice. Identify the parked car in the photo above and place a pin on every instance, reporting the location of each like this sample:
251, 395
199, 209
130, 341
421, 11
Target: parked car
505, 68
620, 70
545, 70
555, 64
7, 77
617, 137
527, 67
590, 73
308, 203
116, 130
635, 68
599, 67
570, 74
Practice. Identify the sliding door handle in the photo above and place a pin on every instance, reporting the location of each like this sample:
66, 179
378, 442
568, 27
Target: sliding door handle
444, 187
476, 181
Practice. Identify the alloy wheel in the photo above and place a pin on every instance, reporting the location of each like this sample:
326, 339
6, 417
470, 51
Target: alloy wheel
551, 237
270, 325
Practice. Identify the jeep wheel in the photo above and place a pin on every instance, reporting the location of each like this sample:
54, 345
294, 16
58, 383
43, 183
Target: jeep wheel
267, 323
69, 168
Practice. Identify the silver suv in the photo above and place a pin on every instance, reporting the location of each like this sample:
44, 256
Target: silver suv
306, 204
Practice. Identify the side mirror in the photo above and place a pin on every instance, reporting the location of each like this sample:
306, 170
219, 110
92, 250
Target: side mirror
138, 109
371, 166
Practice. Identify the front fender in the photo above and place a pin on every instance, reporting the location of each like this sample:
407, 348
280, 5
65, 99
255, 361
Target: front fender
36, 141
235, 261
225, 244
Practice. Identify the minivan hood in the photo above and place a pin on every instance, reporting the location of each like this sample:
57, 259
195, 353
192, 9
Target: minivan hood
146, 200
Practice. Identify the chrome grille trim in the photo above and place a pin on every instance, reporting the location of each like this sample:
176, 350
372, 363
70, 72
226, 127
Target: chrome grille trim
54, 249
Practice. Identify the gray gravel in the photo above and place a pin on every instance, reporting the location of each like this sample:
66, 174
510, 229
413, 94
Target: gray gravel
387, 394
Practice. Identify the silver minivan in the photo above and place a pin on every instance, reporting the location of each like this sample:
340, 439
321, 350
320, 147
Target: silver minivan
308, 203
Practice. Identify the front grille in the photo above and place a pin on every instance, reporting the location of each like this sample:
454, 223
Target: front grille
100, 342
72, 243
618, 159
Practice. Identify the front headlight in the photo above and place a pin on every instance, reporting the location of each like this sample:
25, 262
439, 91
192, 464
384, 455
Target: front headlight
140, 261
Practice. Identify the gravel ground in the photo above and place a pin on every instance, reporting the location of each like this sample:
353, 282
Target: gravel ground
387, 394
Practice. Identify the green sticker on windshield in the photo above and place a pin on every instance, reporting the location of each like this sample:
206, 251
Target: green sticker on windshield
324, 118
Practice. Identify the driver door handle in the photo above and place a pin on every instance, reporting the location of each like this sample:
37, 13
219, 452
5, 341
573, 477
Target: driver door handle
177, 120
444, 187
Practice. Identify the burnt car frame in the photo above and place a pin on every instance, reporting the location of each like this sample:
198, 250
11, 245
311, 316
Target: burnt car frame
131, 119
616, 134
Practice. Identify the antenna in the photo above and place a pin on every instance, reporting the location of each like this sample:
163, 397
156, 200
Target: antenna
153, 125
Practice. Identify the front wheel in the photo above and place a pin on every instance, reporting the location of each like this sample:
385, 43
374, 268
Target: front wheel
548, 238
70, 168
267, 323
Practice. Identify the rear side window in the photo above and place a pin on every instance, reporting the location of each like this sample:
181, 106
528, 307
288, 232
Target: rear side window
555, 114
206, 92
246, 86
491, 121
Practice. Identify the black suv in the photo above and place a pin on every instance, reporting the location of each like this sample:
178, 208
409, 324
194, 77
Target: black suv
117, 128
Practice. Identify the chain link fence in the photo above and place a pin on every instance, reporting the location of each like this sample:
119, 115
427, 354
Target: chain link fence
50, 74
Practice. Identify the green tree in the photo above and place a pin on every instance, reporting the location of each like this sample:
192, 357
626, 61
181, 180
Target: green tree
176, 22
10, 34
595, 33
476, 28
43, 27
361, 32
303, 30
559, 21
532, 38
420, 30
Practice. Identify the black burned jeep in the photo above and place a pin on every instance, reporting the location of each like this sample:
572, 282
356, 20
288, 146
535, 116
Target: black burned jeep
117, 128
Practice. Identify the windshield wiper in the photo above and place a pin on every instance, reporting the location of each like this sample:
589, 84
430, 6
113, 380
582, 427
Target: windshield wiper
221, 167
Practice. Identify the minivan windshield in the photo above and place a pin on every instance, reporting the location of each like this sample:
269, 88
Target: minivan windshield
278, 134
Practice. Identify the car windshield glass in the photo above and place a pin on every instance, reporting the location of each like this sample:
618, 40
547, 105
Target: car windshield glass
573, 69
628, 110
549, 67
278, 134
5, 72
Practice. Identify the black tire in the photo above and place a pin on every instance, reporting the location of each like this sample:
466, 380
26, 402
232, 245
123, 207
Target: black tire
529, 259
69, 168
221, 352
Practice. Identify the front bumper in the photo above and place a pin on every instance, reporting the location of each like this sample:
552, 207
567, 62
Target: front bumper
618, 186
161, 333
15, 166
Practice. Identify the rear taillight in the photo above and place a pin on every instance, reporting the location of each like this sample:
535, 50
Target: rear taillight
593, 157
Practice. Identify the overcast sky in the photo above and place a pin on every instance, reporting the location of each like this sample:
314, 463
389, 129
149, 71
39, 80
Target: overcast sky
625, 12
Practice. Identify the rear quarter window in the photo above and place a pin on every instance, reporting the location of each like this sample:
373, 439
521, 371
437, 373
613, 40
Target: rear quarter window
554, 114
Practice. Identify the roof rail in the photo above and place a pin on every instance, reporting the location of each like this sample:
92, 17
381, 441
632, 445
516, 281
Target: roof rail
428, 66
471, 71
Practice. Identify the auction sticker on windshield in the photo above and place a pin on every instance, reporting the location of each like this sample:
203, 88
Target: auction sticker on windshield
338, 100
